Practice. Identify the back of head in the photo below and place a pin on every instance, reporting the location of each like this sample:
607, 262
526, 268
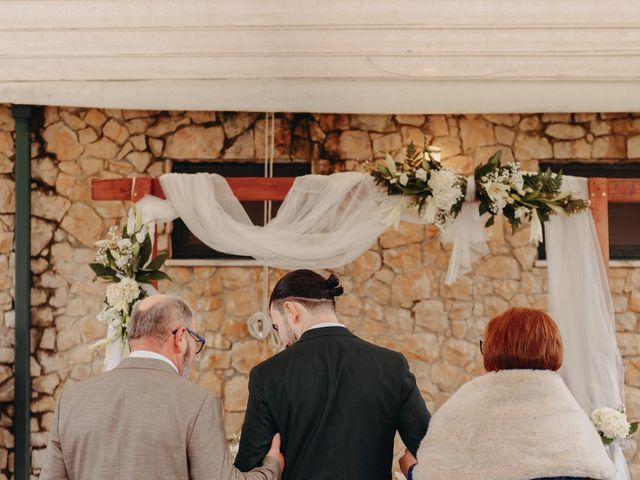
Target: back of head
308, 288
522, 338
153, 318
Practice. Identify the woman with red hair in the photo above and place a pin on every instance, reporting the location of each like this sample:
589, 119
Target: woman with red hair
517, 422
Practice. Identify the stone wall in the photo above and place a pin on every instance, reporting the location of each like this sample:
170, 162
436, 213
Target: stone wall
395, 294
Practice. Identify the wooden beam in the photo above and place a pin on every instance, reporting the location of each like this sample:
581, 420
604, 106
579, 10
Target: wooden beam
623, 190
244, 188
598, 194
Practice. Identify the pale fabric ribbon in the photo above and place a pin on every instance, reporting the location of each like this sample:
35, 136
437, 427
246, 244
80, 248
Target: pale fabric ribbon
468, 236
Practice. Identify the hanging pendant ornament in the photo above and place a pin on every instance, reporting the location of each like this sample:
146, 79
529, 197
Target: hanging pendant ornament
259, 324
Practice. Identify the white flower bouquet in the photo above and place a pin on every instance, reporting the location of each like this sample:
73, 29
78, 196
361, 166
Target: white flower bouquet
503, 189
125, 261
436, 192
612, 424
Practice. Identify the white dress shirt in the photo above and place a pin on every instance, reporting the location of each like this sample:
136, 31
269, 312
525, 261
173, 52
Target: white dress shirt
154, 355
326, 324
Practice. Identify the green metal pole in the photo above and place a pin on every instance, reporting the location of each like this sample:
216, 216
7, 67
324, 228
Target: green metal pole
22, 401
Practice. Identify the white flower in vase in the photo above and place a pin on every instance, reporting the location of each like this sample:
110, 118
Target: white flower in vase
421, 174
404, 179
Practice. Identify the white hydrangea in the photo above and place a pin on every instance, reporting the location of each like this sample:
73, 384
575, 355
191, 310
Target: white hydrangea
445, 188
611, 423
110, 316
120, 295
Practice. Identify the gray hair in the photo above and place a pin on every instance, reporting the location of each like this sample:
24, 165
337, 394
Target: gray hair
157, 320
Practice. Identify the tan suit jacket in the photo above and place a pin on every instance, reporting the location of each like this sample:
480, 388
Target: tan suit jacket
141, 421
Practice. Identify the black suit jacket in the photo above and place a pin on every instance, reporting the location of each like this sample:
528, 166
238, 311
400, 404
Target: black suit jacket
337, 401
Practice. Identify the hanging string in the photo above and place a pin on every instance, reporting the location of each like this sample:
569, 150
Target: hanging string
260, 325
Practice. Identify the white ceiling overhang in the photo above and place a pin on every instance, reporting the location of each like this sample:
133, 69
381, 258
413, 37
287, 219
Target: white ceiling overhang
355, 56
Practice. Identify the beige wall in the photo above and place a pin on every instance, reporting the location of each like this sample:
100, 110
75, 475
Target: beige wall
395, 294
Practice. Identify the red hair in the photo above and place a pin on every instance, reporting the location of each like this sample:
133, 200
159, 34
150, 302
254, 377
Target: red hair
522, 338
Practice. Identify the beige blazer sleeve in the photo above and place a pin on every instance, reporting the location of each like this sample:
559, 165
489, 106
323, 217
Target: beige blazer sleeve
54, 468
209, 456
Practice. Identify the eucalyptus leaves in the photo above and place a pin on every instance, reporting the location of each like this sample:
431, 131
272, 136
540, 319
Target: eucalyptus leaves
125, 261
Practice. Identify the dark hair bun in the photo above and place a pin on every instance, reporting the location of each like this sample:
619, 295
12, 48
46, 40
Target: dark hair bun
333, 286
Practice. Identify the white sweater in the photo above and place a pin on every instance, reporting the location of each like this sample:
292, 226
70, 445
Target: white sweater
512, 425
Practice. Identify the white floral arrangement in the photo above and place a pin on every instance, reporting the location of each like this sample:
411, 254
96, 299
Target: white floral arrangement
124, 260
612, 424
532, 197
437, 193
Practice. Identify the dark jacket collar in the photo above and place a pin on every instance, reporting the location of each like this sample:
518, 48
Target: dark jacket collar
325, 331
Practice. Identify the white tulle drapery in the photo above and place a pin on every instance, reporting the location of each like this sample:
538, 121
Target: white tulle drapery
324, 221
581, 304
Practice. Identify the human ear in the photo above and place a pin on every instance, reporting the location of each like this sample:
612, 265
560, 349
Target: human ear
292, 309
177, 340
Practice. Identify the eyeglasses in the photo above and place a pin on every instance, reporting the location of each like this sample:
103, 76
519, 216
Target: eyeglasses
481, 343
198, 338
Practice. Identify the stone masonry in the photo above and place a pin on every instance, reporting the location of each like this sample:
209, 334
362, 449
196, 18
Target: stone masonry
395, 293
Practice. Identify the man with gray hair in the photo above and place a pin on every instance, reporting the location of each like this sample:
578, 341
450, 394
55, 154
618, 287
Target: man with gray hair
144, 419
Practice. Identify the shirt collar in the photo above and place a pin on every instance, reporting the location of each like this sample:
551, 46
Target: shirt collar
326, 324
154, 355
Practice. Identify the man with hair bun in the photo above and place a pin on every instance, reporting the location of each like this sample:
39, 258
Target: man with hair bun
337, 400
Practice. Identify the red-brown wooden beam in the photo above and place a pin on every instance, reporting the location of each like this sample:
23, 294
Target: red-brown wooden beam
244, 188
623, 190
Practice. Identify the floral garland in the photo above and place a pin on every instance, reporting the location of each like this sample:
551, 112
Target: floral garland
125, 261
437, 193
434, 190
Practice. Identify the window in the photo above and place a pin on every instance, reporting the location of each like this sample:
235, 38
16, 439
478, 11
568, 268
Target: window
624, 227
185, 245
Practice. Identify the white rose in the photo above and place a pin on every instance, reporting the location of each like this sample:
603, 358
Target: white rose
404, 179
421, 174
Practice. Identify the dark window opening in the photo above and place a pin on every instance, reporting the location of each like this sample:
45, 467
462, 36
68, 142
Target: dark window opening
185, 245
624, 226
